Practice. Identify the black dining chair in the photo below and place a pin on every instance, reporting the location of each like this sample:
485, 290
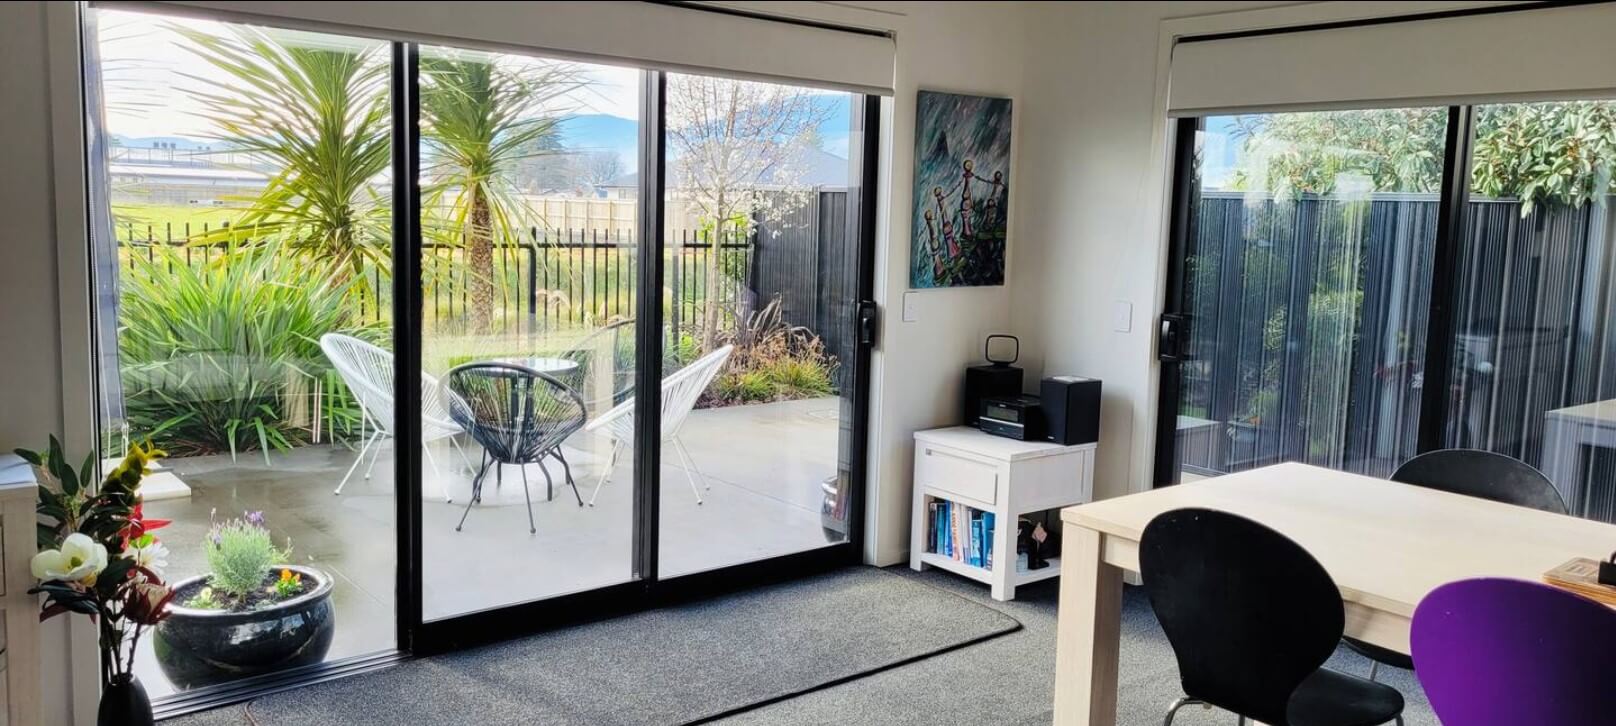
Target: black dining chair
520, 416
1473, 473
1252, 617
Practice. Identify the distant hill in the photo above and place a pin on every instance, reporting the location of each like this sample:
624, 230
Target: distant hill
584, 131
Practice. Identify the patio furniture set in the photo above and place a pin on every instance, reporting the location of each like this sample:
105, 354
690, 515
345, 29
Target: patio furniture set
519, 410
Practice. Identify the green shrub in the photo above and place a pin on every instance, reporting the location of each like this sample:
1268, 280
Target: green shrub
744, 387
215, 356
240, 553
799, 377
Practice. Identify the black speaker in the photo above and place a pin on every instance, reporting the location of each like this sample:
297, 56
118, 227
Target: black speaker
997, 378
1071, 409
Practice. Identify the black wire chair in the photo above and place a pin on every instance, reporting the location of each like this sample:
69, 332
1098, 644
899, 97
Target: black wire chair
520, 416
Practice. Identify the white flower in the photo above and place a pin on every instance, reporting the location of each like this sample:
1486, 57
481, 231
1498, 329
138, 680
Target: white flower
153, 557
79, 560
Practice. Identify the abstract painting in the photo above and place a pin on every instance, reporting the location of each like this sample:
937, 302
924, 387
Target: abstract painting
962, 190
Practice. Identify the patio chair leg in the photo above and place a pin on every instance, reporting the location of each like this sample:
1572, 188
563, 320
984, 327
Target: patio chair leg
361, 457
476, 490
455, 442
426, 452
374, 457
531, 529
567, 469
549, 485
690, 468
606, 473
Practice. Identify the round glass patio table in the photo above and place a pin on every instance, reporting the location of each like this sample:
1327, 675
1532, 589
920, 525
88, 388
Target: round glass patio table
541, 364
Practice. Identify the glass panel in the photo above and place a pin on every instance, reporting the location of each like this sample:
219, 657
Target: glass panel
1534, 356
241, 210
1307, 282
530, 201
759, 284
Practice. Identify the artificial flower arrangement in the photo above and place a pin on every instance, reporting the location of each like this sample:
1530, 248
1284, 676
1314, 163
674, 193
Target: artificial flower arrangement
97, 554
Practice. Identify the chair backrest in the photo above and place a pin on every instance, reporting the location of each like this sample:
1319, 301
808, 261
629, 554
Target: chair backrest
1491, 652
368, 371
681, 390
1484, 474
1249, 613
607, 350
516, 413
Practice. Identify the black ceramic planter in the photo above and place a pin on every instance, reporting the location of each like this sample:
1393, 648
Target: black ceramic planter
124, 703
202, 647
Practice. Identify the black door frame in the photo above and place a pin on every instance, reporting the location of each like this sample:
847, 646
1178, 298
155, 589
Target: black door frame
1437, 364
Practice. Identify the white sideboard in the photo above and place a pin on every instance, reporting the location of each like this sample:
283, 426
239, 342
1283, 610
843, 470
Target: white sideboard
994, 474
20, 609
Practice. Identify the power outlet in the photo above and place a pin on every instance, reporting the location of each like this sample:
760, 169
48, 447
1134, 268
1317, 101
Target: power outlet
911, 306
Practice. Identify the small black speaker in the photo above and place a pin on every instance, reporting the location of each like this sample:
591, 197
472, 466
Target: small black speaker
1071, 409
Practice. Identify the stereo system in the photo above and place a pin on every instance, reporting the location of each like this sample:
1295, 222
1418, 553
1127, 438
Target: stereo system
997, 378
1066, 409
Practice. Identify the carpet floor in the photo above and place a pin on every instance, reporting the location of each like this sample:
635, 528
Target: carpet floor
1006, 680
1010, 680
674, 665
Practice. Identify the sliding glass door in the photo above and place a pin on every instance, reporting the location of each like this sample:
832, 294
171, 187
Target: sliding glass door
1352, 288
468, 343
761, 276
241, 233
528, 264
1533, 354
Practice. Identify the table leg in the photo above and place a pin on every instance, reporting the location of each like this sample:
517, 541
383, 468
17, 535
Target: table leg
1089, 632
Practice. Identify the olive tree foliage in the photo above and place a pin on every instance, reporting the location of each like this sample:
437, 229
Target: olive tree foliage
1539, 153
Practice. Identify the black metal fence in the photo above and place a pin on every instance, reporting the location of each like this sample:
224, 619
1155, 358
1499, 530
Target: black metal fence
549, 278
1308, 321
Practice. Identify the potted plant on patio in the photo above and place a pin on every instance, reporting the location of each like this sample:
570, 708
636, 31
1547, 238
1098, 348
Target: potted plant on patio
249, 614
97, 556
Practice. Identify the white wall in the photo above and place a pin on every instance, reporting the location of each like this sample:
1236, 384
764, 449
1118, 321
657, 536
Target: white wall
1091, 205
30, 369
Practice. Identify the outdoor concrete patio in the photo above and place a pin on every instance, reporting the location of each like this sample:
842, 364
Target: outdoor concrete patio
764, 464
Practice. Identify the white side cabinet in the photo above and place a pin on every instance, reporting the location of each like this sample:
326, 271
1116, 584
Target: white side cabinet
20, 635
994, 474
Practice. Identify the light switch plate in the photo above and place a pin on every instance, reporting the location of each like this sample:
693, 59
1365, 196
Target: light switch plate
1122, 316
911, 306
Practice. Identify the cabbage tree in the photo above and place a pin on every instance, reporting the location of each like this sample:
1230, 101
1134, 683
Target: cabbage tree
481, 117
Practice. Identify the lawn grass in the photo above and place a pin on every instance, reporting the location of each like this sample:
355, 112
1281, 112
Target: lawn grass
167, 222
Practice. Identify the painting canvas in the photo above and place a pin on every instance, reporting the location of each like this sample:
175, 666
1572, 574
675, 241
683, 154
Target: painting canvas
962, 190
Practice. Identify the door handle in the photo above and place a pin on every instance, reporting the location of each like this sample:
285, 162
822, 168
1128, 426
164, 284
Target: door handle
868, 322
1171, 338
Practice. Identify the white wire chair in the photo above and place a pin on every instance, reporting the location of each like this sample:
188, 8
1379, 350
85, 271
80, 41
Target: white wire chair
368, 371
679, 393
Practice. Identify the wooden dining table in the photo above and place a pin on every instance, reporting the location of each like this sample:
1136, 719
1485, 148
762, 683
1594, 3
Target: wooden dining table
1386, 545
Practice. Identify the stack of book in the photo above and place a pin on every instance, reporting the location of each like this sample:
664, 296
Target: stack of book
960, 532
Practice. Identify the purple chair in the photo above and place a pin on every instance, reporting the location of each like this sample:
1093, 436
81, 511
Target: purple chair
1496, 652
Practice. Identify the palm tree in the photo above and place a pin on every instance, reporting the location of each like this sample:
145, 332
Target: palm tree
317, 114
481, 117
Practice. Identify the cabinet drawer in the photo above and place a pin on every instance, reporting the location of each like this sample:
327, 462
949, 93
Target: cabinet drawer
948, 471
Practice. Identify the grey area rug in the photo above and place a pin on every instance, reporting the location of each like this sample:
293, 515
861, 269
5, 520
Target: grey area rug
668, 666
